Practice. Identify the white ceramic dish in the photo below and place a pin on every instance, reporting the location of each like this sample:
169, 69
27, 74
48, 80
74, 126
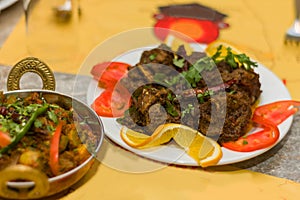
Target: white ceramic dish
6, 3
273, 90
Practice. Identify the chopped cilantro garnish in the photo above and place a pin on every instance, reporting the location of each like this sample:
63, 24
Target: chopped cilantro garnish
152, 56
201, 96
234, 60
245, 142
192, 75
232, 92
187, 110
52, 116
178, 62
205, 63
171, 109
170, 97
38, 123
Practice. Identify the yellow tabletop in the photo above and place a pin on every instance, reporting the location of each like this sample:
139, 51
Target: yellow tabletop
256, 27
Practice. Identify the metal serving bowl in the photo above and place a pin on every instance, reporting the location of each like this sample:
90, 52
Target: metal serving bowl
36, 184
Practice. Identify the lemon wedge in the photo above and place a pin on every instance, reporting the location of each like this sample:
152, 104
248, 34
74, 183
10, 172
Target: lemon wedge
202, 149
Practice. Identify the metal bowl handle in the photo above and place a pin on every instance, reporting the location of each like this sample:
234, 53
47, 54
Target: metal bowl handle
23, 172
33, 65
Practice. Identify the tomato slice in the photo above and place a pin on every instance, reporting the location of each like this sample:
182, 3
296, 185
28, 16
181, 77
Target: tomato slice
268, 116
54, 149
109, 73
5, 139
278, 111
258, 140
112, 103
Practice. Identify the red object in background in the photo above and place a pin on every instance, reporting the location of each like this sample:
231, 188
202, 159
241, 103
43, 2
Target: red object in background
202, 31
197, 22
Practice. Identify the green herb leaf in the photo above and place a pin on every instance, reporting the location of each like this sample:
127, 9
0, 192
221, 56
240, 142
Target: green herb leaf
245, 142
192, 75
38, 123
170, 97
171, 109
234, 60
201, 97
52, 116
152, 56
245, 61
178, 62
187, 110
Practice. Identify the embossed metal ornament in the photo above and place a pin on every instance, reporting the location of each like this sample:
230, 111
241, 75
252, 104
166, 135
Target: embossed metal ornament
33, 65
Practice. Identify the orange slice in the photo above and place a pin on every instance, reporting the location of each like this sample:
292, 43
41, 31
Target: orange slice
139, 140
204, 150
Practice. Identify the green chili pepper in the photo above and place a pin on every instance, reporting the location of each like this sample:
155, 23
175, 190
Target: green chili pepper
20, 134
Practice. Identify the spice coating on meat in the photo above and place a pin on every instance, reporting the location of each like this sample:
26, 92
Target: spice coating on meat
222, 110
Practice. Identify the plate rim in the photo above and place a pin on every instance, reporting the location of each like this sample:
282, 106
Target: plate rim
6, 3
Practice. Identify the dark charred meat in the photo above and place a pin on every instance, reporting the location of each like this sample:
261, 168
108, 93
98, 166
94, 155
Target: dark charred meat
172, 87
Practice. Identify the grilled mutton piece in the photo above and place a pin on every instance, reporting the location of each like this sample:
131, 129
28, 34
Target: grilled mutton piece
222, 110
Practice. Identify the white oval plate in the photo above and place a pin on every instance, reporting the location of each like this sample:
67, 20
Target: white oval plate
273, 90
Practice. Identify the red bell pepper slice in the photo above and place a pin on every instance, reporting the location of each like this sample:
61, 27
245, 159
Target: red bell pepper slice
268, 116
112, 103
54, 149
5, 139
109, 73
278, 111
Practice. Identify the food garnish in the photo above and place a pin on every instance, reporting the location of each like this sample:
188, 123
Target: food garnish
258, 140
204, 150
234, 60
278, 111
268, 117
109, 73
190, 73
19, 130
111, 102
212, 47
